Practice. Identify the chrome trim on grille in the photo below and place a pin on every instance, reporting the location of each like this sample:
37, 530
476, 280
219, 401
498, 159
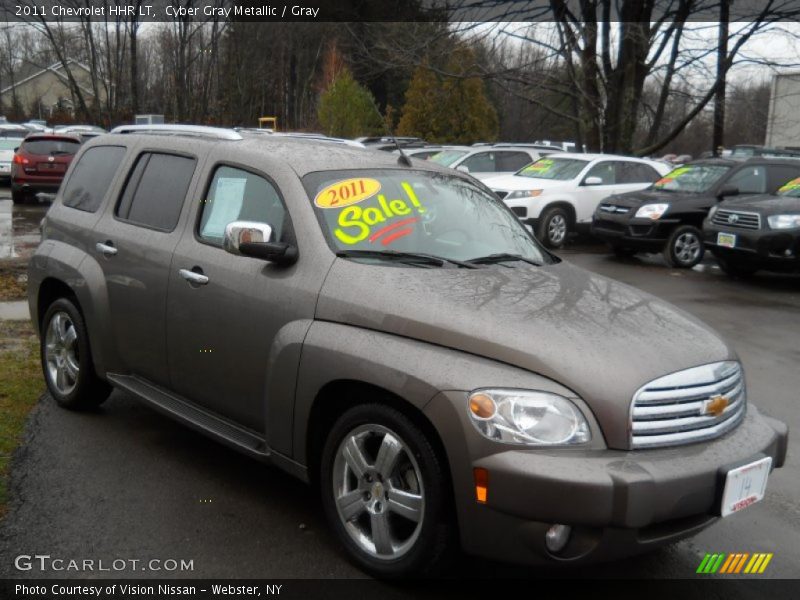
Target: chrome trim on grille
737, 218
671, 410
613, 208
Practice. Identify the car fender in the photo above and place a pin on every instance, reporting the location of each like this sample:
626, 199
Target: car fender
562, 199
82, 274
412, 370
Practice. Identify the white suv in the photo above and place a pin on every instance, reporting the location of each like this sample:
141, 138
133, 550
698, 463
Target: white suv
559, 193
484, 162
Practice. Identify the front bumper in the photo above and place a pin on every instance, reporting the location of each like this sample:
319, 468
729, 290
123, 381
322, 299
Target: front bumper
617, 502
768, 249
641, 234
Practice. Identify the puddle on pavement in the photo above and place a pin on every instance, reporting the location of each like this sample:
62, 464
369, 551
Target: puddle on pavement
19, 228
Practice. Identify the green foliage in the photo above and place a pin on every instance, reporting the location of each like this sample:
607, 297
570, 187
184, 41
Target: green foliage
452, 109
347, 109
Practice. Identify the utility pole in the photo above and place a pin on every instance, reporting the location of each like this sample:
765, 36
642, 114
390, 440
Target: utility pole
718, 136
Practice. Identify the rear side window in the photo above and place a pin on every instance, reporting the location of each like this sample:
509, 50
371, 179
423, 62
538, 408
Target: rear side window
237, 195
156, 189
483, 162
750, 180
51, 147
512, 161
92, 176
632, 172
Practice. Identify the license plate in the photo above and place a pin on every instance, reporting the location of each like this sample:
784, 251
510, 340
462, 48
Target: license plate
744, 486
726, 240
51, 167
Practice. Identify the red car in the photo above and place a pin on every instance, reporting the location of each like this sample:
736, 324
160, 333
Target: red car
40, 163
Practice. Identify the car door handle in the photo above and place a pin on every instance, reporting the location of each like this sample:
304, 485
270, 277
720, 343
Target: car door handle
193, 277
106, 248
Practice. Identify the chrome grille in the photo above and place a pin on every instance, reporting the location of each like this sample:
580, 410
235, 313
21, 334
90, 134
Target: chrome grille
675, 409
614, 209
737, 218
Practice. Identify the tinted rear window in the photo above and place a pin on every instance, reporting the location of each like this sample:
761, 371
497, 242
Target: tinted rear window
155, 191
91, 177
51, 146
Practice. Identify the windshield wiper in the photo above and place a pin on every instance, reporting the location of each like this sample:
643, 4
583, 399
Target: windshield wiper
411, 257
502, 257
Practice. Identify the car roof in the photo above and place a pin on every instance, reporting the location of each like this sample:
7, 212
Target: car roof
296, 152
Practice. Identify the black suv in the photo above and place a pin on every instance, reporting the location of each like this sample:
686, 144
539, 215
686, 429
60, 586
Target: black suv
668, 216
753, 233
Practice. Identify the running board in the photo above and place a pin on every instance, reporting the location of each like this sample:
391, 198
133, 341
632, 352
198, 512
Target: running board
195, 417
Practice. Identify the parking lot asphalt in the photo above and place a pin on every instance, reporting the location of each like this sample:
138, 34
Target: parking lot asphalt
126, 482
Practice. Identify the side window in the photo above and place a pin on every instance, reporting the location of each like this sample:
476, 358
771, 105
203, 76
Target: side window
513, 161
482, 162
91, 177
605, 171
155, 190
750, 180
632, 172
237, 195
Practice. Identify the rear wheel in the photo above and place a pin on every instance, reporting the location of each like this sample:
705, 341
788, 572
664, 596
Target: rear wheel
383, 490
736, 269
18, 197
66, 359
553, 227
684, 247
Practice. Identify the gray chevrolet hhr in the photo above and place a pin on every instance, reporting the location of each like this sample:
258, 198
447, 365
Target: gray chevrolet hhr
387, 330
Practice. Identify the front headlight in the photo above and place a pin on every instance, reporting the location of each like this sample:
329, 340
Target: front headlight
784, 221
527, 417
651, 211
523, 194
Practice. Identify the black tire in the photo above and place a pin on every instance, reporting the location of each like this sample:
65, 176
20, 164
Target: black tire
736, 269
430, 543
87, 390
19, 197
684, 247
553, 227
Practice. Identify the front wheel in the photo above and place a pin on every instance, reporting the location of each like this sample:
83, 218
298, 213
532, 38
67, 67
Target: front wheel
66, 359
684, 247
384, 493
553, 227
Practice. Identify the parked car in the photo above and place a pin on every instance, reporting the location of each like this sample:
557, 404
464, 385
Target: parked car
84, 132
7, 147
426, 152
484, 162
40, 163
558, 194
10, 130
668, 217
756, 232
396, 336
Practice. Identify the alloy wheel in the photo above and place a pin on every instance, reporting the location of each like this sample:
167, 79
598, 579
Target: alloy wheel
378, 491
557, 229
687, 247
61, 353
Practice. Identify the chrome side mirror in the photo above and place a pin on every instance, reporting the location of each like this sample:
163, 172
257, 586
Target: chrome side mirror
593, 181
250, 238
244, 232
462, 168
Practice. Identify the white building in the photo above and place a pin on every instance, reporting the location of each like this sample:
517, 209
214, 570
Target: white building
783, 123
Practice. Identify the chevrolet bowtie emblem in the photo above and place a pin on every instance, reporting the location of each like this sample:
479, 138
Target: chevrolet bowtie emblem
715, 406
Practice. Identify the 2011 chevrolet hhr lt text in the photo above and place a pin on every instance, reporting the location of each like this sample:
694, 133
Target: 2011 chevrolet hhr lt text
389, 331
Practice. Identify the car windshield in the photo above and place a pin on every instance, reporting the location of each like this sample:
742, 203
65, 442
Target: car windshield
694, 179
447, 157
393, 211
562, 169
791, 189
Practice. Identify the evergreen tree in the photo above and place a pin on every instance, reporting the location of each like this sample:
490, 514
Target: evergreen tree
347, 109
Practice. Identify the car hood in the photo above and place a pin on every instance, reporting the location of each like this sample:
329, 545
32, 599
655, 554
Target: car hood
6, 155
509, 183
600, 338
649, 196
764, 204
